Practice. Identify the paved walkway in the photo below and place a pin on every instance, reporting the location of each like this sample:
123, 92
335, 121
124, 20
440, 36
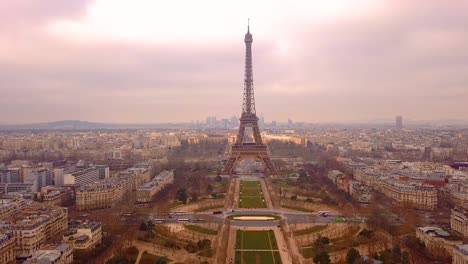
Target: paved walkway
175, 255
266, 194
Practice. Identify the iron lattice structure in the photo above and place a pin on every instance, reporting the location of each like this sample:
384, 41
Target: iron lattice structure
243, 149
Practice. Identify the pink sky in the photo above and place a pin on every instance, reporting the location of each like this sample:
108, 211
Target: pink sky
159, 61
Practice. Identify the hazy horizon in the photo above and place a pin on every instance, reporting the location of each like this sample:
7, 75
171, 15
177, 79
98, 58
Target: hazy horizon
156, 62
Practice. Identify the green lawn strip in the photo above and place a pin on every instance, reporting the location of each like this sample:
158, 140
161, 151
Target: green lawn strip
271, 246
250, 192
238, 257
255, 240
254, 257
277, 257
271, 236
251, 195
252, 202
309, 230
238, 239
201, 229
250, 184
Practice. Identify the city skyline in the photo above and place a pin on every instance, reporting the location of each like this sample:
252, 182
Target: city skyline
119, 62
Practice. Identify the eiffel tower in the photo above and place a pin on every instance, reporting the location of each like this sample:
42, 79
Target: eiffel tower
242, 148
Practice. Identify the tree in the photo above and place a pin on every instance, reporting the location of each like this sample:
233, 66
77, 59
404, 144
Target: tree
191, 247
118, 260
182, 196
396, 253
160, 260
322, 258
143, 227
150, 225
405, 257
204, 244
353, 256
209, 188
321, 242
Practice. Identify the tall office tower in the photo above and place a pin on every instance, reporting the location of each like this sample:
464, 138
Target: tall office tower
290, 123
399, 122
246, 147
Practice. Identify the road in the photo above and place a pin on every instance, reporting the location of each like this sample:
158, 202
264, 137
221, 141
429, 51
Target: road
209, 217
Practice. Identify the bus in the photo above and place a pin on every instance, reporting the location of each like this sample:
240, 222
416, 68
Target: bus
323, 213
183, 220
179, 212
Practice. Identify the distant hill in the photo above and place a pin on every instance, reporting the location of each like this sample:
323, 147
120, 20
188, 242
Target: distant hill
85, 125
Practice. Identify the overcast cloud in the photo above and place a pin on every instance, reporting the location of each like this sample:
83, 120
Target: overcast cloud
151, 61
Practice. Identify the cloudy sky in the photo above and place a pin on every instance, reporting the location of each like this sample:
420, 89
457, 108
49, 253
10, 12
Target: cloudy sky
158, 61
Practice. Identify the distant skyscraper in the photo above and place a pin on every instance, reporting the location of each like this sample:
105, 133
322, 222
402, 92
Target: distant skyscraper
399, 122
290, 123
211, 120
261, 121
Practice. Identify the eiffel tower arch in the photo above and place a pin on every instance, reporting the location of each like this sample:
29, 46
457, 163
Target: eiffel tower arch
244, 148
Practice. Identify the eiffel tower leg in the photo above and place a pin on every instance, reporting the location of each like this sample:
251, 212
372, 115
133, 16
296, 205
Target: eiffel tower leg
256, 134
270, 168
240, 134
227, 170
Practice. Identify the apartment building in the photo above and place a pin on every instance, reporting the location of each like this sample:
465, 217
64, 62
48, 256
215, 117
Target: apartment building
10, 175
147, 191
52, 195
34, 226
84, 235
421, 196
460, 254
459, 221
82, 177
7, 248
458, 193
52, 254
9, 207
436, 240
360, 192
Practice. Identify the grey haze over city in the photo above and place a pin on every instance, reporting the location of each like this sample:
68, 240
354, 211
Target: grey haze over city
152, 61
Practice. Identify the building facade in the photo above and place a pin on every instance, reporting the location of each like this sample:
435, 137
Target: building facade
460, 254
459, 221
7, 248
35, 225
52, 254
147, 191
84, 235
